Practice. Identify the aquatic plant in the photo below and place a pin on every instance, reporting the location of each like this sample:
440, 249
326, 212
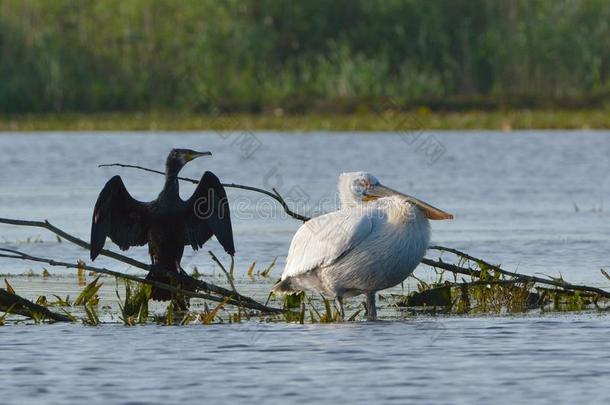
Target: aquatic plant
68, 315
264, 273
292, 302
80, 271
195, 274
187, 319
3, 317
464, 285
89, 293
12, 303
134, 307
494, 290
267, 271
330, 314
239, 316
61, 302
92, 317
250, 272
208, 317
229, 273
212, 292
9, 287
34, 313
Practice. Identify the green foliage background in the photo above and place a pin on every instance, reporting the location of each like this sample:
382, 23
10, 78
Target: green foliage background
315, 55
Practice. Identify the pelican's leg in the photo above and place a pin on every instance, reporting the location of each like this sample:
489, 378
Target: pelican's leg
339, 300
371, 309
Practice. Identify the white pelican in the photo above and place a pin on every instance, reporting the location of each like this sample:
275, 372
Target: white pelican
373, 242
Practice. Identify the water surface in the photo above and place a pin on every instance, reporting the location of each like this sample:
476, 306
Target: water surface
532, 201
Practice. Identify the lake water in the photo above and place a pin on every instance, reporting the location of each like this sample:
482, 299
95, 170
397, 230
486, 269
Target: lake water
536, 202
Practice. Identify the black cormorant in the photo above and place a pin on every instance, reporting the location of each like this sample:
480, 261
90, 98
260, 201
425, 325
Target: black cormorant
166, 224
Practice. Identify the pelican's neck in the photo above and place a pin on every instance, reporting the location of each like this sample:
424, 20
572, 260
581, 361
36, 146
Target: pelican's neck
410, 223
347, 198
349, 202
403, 213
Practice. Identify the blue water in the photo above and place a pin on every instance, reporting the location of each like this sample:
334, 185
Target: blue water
536, 202
555, 359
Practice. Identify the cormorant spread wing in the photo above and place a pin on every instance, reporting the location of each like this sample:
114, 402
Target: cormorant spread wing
207, 213
118, 215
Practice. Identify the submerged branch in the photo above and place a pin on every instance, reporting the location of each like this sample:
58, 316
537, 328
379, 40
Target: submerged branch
451, 267
79, 242
477, 283
275, 194
227, 274
14, 304
15, 254
521, 277
183, 278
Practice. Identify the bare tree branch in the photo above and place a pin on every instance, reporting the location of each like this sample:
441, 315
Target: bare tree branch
275, 195
15, 304
229, 276
183, 278
522, 277
15, 254
79, 242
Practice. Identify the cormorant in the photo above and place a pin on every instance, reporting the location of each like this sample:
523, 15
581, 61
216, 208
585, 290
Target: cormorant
166, 224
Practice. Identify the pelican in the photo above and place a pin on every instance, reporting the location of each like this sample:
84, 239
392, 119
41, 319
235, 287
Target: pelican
373, 242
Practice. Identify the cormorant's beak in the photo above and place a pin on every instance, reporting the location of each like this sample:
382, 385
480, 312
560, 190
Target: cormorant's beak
194, 155
431, 212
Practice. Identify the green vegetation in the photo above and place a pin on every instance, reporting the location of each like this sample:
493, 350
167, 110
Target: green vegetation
89, 293
463, 284
354, 57
388, 121
487, 291
134, 307
3, 317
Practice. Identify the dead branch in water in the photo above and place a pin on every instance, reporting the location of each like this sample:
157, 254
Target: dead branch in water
433, 263
229, 275
79, 242
515, 277
15, 254
14, 304
235, 297
273, 194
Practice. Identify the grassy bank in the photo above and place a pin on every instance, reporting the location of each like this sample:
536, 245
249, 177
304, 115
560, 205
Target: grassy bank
314, 56
388, 121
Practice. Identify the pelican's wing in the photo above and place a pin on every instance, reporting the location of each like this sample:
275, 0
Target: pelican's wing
323, 240
119, 216
207, 213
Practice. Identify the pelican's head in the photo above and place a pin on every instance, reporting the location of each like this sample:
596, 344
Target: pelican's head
352, 187
177, 158
361, 187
